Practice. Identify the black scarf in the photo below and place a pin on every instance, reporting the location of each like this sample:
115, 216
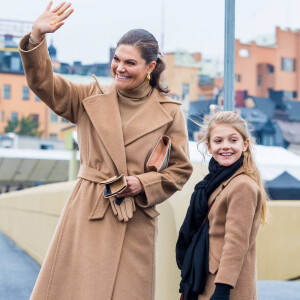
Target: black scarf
193, 241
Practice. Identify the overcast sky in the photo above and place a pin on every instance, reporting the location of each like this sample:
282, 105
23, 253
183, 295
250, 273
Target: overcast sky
193, 25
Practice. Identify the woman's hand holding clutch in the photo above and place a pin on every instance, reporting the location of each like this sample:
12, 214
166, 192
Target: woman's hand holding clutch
134, 187
124, 211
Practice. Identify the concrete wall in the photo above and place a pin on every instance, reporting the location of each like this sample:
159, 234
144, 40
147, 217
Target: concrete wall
278, 251
29, 217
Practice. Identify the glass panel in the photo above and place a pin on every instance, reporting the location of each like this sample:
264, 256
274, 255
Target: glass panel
25, 93
6, 92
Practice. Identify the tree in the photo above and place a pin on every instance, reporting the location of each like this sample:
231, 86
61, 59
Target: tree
26, 127
11, 126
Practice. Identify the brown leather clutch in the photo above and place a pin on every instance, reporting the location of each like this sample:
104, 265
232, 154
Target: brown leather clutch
159, 158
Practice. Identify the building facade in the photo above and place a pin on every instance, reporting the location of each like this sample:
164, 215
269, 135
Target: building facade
269, 64
17, 100
182, 75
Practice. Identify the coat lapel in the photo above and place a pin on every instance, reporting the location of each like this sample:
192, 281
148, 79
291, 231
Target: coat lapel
103, 111
149, 118
219, 189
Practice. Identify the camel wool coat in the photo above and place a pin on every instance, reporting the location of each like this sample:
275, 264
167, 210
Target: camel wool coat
93, 256
234, 220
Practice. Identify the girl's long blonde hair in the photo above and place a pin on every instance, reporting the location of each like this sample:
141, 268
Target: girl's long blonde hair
240, 125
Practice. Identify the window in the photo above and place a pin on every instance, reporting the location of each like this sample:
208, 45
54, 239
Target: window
35, 118
2, 116
244, 53
15, 64
6, 92
185, 90
37, 98
268, 140
53, 117
53, 136
270, 69
14, 116
205, 80
259, 80
238, 77
64, 120
288, 64
25, 93
287, 95
295, 94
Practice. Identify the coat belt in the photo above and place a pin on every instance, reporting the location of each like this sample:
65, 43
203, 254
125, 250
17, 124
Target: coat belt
91, 174
101, 205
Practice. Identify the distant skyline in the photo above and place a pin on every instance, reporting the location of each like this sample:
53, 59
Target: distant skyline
192, 25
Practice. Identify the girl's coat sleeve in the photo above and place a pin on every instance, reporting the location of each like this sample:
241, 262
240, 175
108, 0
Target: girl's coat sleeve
243, 203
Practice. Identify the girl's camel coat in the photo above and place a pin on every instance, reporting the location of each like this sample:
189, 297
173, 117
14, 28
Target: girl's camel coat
233, 224
93, 256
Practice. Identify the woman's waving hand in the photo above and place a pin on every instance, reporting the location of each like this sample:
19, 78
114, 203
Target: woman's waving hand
50, 20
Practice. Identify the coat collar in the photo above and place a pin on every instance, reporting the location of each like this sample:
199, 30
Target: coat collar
103, 111
219, 189
150, 117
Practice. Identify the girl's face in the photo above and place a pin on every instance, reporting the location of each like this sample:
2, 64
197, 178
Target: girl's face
226, 145
129, 69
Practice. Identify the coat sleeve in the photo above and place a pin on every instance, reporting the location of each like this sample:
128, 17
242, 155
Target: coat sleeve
242, 222
160, 186
62, 96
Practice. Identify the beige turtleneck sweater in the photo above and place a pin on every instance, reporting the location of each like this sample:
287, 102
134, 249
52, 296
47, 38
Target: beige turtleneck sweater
130, 101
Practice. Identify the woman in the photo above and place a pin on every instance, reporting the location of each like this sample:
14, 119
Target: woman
102, 250
216, 249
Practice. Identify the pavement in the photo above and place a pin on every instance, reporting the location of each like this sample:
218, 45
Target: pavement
18, 273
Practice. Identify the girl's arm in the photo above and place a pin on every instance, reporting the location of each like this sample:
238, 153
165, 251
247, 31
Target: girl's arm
242, 222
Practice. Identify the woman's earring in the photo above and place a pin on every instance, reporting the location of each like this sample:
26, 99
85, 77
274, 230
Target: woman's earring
148, 77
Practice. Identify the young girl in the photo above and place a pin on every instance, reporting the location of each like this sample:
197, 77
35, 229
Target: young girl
216, 249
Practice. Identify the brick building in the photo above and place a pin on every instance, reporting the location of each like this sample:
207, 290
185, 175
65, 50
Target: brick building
272, 63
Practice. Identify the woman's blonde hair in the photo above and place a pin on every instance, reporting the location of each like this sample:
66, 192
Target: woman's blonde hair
241, 126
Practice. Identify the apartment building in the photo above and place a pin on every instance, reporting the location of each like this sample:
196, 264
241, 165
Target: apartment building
270, 63
17, 100
182, 75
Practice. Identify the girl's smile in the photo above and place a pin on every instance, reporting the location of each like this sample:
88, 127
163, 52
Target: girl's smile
226, 145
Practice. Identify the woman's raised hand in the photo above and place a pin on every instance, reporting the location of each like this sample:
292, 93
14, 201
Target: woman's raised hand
50, 20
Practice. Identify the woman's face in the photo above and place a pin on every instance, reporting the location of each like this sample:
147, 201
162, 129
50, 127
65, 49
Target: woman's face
226, 145
129, 69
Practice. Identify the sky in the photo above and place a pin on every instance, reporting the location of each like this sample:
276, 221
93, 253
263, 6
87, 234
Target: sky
191, 25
